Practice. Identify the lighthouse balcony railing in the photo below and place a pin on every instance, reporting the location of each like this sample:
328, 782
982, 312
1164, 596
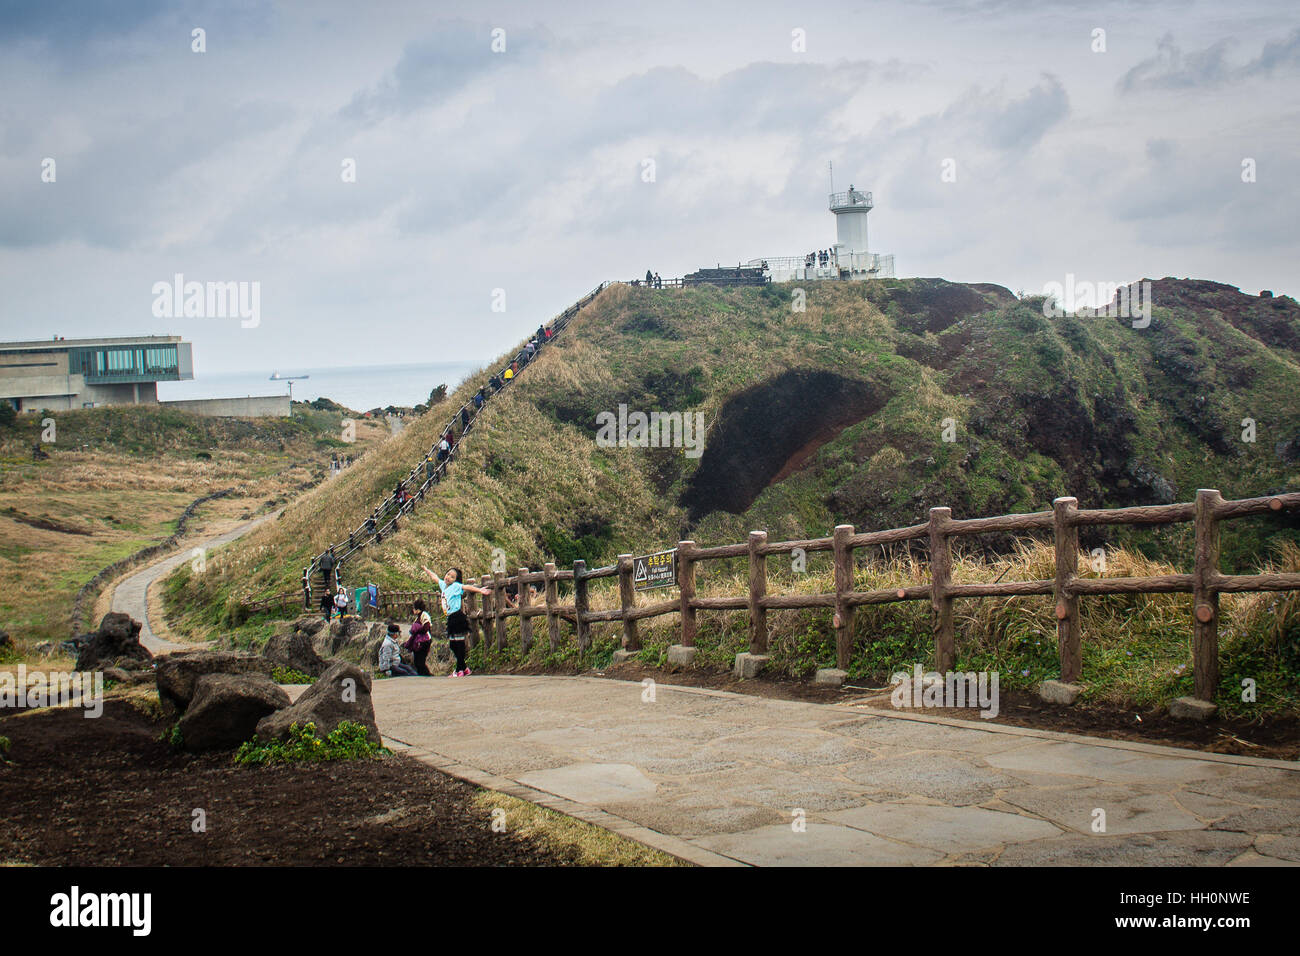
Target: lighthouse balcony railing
850, 198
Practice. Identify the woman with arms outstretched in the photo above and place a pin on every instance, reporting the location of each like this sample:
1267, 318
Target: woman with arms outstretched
457, 624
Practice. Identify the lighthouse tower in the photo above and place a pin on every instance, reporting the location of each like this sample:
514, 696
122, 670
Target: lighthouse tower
851, 210
847, 259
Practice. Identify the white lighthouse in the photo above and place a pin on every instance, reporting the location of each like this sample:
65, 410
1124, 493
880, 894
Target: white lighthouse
849, 258
851, 210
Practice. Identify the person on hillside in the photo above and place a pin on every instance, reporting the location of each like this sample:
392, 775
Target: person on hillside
453, 591
548, 332
479, 399
464, 419
341, 601
510, 372
649, 277
390, 655
327, 563
421, 637
327, 604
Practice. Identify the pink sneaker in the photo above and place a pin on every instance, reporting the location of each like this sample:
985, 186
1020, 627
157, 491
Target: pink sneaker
466, 672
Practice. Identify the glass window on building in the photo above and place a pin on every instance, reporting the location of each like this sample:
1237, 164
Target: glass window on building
160, 359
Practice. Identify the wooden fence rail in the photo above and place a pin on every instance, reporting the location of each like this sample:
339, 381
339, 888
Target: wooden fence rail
489, 615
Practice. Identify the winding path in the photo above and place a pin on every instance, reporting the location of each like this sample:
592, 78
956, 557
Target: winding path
131, 596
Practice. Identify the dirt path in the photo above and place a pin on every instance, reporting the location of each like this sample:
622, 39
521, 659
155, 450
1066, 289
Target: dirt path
131, 595
718, 777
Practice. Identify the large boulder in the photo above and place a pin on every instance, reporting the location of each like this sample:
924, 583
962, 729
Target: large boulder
118, 636
342, 693
226, 709
294, 649
178, 673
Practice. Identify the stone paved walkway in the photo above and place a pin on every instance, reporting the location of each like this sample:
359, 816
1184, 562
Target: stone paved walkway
719, 778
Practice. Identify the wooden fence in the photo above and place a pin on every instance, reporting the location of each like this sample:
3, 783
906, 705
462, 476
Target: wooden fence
287, 599
488, 615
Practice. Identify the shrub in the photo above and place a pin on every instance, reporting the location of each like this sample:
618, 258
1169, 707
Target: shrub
287, 675
348, 741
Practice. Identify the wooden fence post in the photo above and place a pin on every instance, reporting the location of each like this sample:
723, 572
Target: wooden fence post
580, 605
468, 605
627, 598
1205, 599
757, 591
1066, 535
484, 611
499, 605
552, 601
843, 620
945, 636
686, 585
525, 623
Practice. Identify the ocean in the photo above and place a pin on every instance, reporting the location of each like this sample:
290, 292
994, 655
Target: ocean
358, 387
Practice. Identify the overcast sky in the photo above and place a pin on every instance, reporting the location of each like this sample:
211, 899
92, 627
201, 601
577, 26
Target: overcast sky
525, 170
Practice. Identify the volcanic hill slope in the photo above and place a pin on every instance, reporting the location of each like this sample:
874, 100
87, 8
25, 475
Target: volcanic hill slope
833, 414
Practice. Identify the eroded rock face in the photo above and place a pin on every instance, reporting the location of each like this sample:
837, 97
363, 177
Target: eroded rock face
226, 709
345, 638
118, 636
342, 693
766, 432
309, 624
178, 673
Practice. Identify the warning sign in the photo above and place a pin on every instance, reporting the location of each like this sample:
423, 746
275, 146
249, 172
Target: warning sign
658, 570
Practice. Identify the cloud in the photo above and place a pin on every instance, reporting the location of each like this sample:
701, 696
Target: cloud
443, 63
1014, 125
1172, 69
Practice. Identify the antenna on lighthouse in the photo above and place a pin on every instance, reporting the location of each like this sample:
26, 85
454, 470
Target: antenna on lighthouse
831, 169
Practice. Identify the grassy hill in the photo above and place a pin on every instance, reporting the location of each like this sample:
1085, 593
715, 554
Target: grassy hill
116, 479
837, 413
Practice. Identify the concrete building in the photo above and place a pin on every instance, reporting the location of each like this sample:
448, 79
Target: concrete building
60, 374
